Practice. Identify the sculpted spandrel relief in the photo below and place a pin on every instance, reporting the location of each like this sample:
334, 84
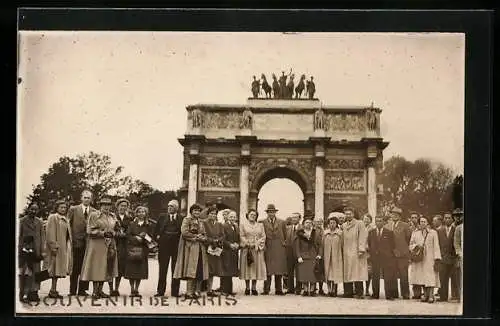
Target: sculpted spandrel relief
345, 181
305, 166
220, 178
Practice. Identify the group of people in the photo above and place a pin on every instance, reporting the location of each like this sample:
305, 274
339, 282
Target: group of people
87, 244
302, 252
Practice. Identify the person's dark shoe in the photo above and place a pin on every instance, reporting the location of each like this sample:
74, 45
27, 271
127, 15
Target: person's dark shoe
374, 297
103, 295
279, 293
33, 297
247, 291
114, 293
389, 298
211, 294
347, 296
415, 297
357, 296
265, 293
175, 295
431, 300
423, 299
305, 294
55, 295
24, 300
313, 294
159, 295
406, 297
82, 293
254, 292
321, 293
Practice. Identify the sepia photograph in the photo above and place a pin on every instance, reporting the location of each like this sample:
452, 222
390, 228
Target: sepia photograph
260, 173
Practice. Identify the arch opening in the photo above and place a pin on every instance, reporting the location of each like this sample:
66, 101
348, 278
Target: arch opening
283, 187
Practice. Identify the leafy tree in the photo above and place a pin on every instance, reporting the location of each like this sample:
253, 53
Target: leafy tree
422, 185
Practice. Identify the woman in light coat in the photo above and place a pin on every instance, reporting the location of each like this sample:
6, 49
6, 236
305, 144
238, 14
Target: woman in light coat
100, 263
331, 252
58, 242
252, 241
192, 261
425, 273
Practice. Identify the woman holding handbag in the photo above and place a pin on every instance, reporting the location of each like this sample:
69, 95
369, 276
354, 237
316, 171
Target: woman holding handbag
100, 263
425, 255
136, 267
307, 250
252, 243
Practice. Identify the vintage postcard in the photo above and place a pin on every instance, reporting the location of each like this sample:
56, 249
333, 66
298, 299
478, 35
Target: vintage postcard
240, 173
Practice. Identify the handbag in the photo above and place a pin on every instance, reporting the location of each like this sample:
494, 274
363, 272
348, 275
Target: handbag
135, 253
417, 254
250, 259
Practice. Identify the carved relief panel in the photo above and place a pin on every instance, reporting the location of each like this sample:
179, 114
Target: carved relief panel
345, 181
222, 160
219, 178
345, 122
220, 120
345, 163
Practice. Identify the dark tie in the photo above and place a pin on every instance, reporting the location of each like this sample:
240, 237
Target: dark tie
171, 218
85, 214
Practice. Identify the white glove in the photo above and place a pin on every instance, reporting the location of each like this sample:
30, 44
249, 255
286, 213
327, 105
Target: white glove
300, 260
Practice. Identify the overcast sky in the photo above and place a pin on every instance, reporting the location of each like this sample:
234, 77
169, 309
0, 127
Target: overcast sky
124, 93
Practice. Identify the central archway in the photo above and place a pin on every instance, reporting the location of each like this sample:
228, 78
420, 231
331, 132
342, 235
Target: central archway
277, 174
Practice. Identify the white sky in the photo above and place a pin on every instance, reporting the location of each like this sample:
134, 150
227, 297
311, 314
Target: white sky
124, 93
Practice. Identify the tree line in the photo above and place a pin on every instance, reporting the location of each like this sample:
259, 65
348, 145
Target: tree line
420, 185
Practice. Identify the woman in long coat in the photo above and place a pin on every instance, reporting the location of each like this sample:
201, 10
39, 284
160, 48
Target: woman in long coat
136, 268
192, 261
331, 252
100, 263
215, 237
307, 248
355, 254
58, 242
252, 242
123, 219
30, 246
230, 253
425, 273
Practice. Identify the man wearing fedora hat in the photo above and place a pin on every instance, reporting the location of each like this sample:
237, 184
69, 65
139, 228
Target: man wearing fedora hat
167, 234
402, 235
78, 216
275, 254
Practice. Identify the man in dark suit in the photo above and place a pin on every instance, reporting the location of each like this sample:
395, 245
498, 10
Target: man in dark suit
78, 216
167, 234
381, 247
291, 261
447, 267
402, 235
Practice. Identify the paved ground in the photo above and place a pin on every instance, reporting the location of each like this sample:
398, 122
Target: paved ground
240, 304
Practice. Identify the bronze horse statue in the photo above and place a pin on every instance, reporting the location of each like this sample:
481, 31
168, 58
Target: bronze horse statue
289, 88
265, 86
300, 87
276, 87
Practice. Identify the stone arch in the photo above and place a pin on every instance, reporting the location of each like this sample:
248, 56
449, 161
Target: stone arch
293, 173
